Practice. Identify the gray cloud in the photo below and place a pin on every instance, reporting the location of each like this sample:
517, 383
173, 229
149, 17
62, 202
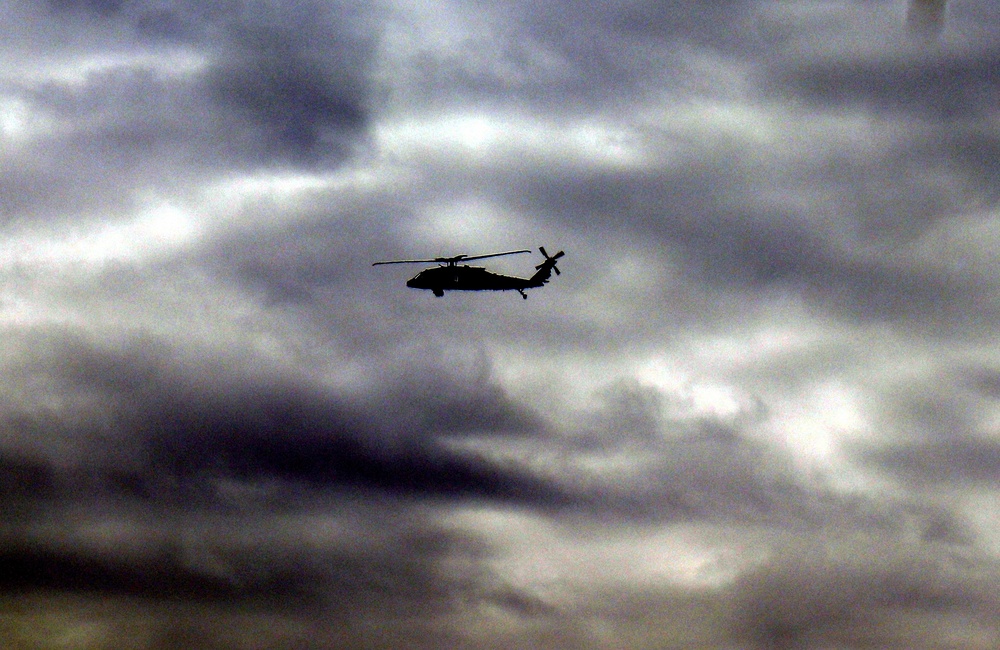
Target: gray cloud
957, 460
763, 248
808, 601
945, 86
302, 89
925, 18
240, 92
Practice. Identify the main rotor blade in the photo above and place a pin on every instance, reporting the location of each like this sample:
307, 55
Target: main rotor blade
452, 260
482, 257
407, 262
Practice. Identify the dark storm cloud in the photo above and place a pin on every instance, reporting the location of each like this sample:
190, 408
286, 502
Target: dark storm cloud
160, 573
189, 423
213, 479
394, 560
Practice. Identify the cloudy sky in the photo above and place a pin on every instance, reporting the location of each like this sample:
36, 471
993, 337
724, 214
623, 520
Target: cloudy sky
760, 408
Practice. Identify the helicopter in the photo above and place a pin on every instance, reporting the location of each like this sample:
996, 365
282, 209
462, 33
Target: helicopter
451, 276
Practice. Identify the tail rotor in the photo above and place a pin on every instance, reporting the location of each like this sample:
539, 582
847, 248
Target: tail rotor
550, 261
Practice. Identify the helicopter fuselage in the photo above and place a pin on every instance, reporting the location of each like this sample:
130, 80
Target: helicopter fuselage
451, 276
469, 278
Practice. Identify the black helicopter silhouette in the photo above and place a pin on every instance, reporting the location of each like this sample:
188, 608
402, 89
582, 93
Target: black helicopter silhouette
451, 276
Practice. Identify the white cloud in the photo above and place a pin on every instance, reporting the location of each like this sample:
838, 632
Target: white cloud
157, 231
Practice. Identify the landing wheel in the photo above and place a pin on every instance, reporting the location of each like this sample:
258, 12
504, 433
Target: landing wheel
438, 292
523, 295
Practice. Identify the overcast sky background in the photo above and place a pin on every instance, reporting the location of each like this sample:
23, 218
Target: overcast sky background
760, 408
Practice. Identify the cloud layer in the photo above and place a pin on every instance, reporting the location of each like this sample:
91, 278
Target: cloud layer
757, 409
